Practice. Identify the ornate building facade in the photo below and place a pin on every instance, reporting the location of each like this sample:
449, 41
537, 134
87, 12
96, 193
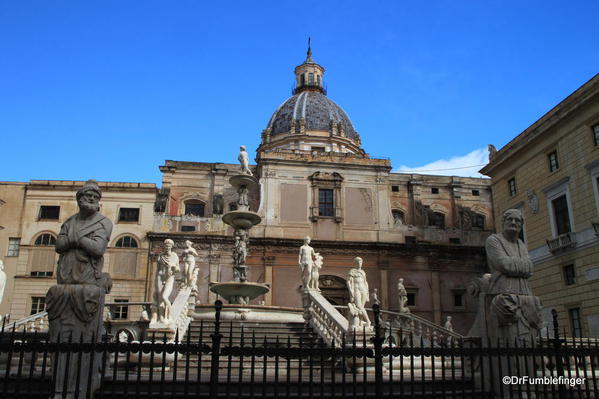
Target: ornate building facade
315, 180
550, 172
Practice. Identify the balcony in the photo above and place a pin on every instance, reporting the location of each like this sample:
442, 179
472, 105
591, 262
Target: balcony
562, 242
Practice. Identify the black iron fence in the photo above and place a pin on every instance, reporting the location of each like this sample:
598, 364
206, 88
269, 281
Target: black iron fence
229, 359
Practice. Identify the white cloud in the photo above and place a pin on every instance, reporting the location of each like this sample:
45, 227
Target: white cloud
465, 165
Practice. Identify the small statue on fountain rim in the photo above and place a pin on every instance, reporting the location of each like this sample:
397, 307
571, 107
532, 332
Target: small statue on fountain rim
244, 160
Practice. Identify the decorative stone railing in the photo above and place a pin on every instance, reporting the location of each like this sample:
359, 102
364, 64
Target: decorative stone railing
324, 318
421, 329
562, 242
35, 323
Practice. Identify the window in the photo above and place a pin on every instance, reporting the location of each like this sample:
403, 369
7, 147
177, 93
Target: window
318, 79
188, 228
326, 205
411, 299
553, 162
128, 214
575, 322
475, 193
454, 240
318, 149
302, 79
126, 242
561, 215
478, 221
569, 275
43, 260
437, 219
194, 207
395, 189
45, 239
596, 135
13, 246
120, 312
310, 79
398, 216
511, 184
435, 190
38, 304
458, 299
49, 212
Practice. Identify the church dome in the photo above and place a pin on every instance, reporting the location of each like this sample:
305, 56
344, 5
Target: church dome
308, 120
315, 111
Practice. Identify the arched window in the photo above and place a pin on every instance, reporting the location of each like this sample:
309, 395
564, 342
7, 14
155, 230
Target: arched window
302, 79
438, 220
194, 207
126, 242
45, 239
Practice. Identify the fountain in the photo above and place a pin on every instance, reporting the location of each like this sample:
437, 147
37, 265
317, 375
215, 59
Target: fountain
240, 291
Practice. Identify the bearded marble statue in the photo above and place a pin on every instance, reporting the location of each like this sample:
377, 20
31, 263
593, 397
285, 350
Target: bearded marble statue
75, 305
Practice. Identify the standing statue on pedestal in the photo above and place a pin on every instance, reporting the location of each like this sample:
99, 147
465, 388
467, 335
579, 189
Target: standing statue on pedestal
244, 160
402, 296
358, 296
512, 314
239, 255
448, 325
306, 262
191, 272
513, 311
315, 274
167, 268
243, 203
75, 305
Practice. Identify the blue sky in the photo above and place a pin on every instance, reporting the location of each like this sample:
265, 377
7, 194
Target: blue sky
110, 89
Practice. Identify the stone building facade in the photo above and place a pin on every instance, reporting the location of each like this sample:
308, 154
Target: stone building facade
550, 172
316, 180
40, 208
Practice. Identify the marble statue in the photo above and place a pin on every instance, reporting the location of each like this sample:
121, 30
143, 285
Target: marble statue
512, 314
239, 255
75, 305
375, 296
402, 296
189, 258
123, 336
167, 268
358, 296
243, 203
315, 274
2, 281
448, 325
513, 311
244, 160
306, 262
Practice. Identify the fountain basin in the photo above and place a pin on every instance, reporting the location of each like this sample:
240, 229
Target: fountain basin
243, 180
232, 291
241, 219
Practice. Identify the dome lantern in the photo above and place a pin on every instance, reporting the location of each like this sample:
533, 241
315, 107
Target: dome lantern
309, 75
